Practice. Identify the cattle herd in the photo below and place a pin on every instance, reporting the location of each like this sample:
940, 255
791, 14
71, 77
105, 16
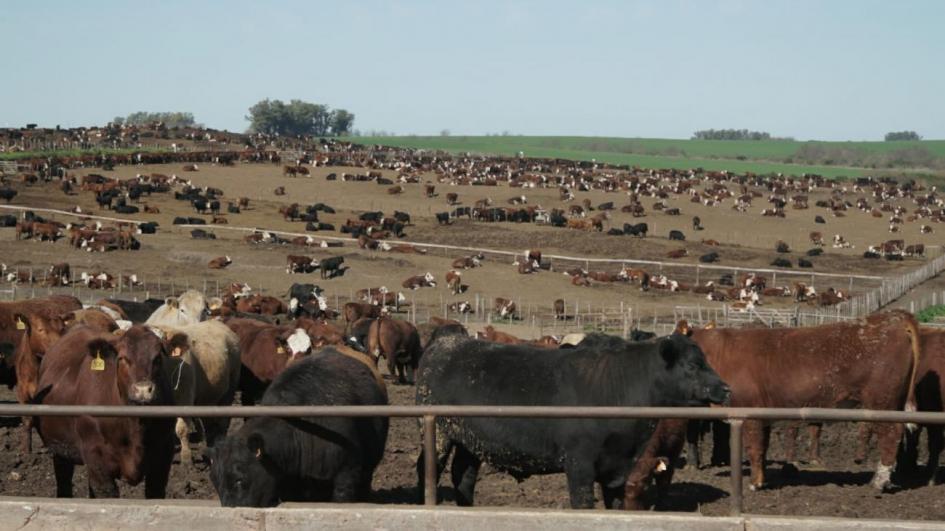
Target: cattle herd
294, 348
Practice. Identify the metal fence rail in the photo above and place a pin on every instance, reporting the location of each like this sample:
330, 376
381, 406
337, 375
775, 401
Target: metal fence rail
429, 413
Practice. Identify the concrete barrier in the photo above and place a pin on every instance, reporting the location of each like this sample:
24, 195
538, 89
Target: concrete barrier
203, 515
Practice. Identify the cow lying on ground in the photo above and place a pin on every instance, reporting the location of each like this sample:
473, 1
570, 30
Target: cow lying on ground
669, 372
90, 368
270, 460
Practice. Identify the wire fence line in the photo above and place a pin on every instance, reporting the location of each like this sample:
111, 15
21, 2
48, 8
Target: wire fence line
580, 315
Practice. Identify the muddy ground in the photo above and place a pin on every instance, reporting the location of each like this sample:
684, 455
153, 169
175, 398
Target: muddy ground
839, 488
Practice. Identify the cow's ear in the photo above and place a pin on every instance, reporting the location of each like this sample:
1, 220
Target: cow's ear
171, 302
178, 344
256, 445
669, 352
100, 348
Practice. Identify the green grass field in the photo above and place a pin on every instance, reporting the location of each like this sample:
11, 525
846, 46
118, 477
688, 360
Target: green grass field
926, 157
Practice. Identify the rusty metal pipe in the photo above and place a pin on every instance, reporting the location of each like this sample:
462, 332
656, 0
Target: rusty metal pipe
735, 462
430, 475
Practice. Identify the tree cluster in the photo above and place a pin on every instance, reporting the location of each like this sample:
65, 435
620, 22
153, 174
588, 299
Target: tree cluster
902, 135
169, 119
730, 134
298, 118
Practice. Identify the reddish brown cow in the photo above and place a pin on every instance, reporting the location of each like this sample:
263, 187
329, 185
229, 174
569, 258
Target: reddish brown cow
264, 352
321, 333
87, 368
454, 281
871, 362
489, 333
357, 310
220, 262
399, 342
559, 309
656, 461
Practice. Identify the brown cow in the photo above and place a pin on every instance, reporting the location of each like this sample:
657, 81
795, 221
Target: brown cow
871, 362
321, 333
96, 369
489, 333
265, 352
468, 262
399, 342
559, 309
353, 311
420, 281
220, 262
656, 462
504, 307
454, 281
452, 198
94, 318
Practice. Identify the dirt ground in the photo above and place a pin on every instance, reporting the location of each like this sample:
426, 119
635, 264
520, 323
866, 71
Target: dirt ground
841, 488
171, 261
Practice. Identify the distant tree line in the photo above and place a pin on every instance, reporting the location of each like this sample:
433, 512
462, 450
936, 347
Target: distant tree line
902, 135
298, 118
169, 119
730, 134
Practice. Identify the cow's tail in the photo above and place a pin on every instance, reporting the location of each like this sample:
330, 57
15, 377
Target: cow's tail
915, 339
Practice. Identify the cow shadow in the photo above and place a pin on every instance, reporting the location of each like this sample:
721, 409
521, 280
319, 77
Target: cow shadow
778, 476
688, 497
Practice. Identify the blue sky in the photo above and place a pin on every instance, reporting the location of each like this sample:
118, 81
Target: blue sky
832, 70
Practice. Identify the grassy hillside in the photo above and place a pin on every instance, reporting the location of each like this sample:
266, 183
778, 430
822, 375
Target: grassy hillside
832, 159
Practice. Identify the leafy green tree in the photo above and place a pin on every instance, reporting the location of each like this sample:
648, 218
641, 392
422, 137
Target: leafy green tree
169, 119
902, 135
298, 118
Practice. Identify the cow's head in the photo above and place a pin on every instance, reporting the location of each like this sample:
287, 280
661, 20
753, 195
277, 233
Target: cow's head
243, 473
138, 357
685, 378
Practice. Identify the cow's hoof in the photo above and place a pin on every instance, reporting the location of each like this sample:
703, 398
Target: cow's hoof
755, 488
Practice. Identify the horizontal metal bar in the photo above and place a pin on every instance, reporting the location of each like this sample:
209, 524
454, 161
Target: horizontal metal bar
716, 413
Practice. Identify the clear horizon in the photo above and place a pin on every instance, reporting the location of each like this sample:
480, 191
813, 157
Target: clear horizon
839, 70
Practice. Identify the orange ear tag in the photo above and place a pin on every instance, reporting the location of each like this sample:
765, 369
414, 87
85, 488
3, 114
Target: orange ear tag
280, 350
98, 364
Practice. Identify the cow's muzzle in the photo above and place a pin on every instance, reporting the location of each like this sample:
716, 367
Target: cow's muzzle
142, 392
719, 394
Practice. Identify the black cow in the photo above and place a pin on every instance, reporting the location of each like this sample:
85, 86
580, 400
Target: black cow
8, 220
781, 262
200, 205
200, 234
709, 258
7, 194
819, 219
232, 208
803, 262
331, 266
137, 312
614, 231
402, 217
870, 254
215, 206
271, 460
371, 216
443, 218
126, 209
462, 211
302, 293
149, 227
636, 229
677, 235
671, 371
816, 251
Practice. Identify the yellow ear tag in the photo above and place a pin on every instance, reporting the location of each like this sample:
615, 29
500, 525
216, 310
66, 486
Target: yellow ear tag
280, 350
20, 325
176, 352
98, 364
